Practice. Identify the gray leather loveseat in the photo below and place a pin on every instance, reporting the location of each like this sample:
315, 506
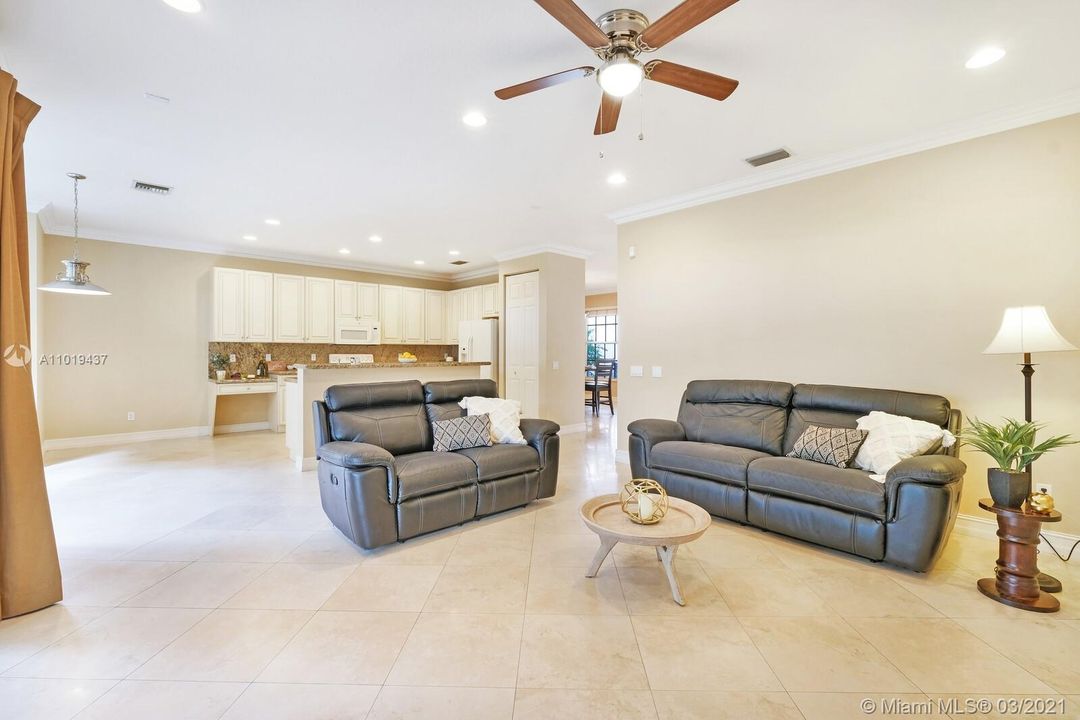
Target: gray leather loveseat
727, 452
380, 481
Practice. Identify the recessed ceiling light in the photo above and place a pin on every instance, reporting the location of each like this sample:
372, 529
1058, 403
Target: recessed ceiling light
616, 178
188, 6
455, 252
985, 56
375, 239
250, 238
474, 119
418, 262
272, 221
344, 251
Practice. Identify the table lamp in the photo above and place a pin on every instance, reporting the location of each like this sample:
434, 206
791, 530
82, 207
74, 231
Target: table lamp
1023, 331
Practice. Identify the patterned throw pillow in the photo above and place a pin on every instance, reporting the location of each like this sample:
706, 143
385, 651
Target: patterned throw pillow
832, 446
463, 432
505, 417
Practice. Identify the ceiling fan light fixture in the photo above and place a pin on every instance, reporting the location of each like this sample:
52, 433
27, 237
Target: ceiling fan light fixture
620, 75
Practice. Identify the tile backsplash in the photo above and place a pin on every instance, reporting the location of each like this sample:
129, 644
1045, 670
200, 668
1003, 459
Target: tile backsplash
248, 354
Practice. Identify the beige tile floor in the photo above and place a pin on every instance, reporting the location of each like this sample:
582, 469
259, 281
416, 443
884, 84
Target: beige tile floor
204, 582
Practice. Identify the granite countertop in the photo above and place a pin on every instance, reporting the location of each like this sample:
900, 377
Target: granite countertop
327, 366
241, 381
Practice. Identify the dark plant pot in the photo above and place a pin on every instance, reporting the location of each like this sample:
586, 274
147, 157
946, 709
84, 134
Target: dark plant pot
1008, 489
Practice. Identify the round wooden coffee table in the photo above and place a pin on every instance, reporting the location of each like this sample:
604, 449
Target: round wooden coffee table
1016, 574
684, 522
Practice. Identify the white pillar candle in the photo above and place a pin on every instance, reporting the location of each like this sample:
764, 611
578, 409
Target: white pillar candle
646, 506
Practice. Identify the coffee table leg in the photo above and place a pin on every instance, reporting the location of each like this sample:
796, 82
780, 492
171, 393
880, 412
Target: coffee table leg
601, 552
667, 556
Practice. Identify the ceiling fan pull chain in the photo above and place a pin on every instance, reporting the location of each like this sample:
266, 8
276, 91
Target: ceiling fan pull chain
641, 111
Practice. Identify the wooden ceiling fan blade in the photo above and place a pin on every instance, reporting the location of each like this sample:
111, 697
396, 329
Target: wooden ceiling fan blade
544, 82
576, 21
608, 116
697, 81
685, 16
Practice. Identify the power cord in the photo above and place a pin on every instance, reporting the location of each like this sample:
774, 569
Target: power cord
1066, 558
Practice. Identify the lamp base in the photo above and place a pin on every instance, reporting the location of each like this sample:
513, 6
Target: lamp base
1048, 583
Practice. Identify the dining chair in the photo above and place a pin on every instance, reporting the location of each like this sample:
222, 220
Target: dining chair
599, 386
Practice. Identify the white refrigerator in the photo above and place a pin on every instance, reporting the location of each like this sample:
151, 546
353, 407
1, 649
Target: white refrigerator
478, 342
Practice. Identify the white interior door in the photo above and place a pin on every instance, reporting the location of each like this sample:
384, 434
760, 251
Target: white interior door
523, 341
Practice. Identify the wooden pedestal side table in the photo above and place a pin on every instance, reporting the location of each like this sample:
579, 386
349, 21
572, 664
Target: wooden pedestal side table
684, 522
1017, 572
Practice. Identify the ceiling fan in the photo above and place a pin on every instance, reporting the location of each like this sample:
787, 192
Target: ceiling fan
617, 38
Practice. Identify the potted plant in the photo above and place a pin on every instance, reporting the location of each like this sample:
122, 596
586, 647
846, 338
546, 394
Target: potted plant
219, 361
1012, 446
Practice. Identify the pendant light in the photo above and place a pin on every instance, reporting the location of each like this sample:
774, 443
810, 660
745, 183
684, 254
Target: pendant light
74, 280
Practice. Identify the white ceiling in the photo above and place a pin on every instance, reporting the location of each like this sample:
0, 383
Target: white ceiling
342, 118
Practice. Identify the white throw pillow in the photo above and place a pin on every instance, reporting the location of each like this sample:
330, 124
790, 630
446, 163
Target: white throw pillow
893, 438
505, 417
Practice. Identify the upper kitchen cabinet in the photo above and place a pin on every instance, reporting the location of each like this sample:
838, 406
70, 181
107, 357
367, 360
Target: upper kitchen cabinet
318, 310
472, 298
391, 314
434, 312
289, 293
412, 304
454, 306
243, 305
356, 300
490, 305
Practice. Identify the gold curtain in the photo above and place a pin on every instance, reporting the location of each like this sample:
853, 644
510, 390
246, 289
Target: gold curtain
29, 569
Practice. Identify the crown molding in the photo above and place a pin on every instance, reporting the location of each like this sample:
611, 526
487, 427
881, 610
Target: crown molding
568, 250
1067, 103
477, 272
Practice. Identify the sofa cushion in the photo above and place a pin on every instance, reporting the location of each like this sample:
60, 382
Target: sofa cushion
842, 406
499, 461
441, 398
832, 446
744, 413
723, 463
399, 429
462, 432
843, 489
423, 473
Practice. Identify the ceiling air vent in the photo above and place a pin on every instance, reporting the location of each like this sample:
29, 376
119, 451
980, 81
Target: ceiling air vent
769, 157
459, 262
150, 187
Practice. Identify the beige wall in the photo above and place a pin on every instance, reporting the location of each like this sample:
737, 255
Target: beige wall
891, 275
601, 301
154, 327
562, 332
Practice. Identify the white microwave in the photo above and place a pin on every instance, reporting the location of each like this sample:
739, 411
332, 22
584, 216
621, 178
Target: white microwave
356, 332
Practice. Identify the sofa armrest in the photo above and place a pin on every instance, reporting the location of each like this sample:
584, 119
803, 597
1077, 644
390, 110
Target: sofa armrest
536, 433
355, 455
653, 432
930, 471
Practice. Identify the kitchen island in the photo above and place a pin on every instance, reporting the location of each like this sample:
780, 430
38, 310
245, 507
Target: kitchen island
313, 379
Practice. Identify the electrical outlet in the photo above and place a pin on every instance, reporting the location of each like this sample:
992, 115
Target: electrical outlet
232, 357
267, 357
554, 364
1045, 488
313, 357
131, 415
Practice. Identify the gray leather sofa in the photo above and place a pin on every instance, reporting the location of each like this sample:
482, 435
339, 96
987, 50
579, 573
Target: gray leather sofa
380, 481
727, 452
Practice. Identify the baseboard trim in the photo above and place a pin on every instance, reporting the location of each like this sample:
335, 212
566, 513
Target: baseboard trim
125, 438
975, 525
571, 429
622, 456
241, 427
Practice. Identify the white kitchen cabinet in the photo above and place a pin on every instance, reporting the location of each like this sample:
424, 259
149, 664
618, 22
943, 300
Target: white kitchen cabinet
228, 305
472, 301
489, 300
288, 308
318, 310
391, 314
412, 304
258, 306
454, 300
434, 312
356, 301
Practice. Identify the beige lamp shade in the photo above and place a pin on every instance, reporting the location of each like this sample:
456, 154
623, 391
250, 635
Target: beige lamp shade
1027, 330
